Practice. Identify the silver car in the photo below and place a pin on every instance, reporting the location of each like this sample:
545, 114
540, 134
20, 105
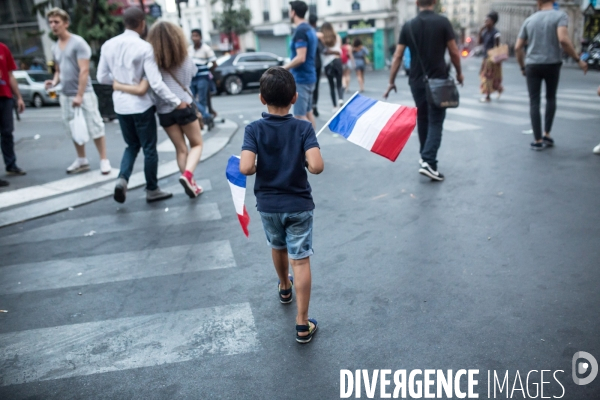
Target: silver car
31, 85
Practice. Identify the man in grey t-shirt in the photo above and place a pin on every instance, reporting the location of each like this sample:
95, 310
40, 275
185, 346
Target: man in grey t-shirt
546, 36
72, 62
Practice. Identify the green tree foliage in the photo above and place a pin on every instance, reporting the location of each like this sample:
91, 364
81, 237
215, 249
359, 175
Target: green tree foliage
235, 18
94, 20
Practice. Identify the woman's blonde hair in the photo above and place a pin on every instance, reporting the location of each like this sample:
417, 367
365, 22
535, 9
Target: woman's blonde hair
169, 44
329, 35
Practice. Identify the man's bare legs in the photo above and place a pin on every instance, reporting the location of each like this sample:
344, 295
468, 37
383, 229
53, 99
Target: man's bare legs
100, 145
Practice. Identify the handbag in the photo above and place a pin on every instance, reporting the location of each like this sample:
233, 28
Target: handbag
499, 53
442, 93
193, 103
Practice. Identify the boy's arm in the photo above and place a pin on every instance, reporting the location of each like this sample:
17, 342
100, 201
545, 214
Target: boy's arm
248, 162
314, 161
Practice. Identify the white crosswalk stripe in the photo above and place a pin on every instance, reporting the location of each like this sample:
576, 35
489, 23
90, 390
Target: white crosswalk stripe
116, 267
117, 222
125, 343
60, 186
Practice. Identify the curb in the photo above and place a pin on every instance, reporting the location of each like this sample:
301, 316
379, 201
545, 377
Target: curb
28, 212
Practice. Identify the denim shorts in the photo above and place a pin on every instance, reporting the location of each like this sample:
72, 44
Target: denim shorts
305, 96
289, 230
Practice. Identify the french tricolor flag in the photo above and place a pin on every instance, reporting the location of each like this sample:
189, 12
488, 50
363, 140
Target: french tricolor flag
237, 184
382, 128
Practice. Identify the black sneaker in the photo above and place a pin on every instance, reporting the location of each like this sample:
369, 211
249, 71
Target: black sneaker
548, 141
15, 171
315, 112
537, 146
430, 172
3, 183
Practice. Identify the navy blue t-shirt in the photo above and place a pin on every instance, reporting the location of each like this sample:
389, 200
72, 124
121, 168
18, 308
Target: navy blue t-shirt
305, 36
280, 144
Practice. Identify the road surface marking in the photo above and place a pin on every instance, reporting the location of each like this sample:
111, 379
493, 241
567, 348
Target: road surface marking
577, 116
455, 126
117, 222
105, 268
125, 343
472, 113
60, 186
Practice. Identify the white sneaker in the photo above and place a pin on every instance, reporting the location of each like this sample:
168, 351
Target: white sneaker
105, 167
340, 102
79, 165
597, 149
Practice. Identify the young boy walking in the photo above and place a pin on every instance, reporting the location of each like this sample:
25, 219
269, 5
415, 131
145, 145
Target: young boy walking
285, 146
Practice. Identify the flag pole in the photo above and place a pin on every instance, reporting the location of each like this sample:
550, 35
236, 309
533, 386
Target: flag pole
336, 114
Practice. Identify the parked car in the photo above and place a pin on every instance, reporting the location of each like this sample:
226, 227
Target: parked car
31, 86
241, 71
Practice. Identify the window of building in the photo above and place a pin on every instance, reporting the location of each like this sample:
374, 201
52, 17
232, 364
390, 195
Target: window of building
266, 8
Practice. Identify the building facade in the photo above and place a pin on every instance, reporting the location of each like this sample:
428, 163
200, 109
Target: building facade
376, 23
514, 12
468, 14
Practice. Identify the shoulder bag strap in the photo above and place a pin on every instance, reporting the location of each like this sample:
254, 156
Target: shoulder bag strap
187, 90
412, 37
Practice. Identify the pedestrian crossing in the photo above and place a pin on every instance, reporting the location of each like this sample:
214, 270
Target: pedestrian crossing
513, 109
125, 343
120, 343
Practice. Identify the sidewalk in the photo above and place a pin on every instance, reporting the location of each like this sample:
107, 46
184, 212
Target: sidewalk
44, 151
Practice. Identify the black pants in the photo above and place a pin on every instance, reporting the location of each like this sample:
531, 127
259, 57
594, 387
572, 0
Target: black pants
430, 123
316, 91
536, 73
334, 71
139, 132
6, 131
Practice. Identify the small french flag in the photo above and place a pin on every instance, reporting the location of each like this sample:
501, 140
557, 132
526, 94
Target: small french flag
382, 128
237, 184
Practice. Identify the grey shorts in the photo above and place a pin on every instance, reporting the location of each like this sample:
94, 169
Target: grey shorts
305, 96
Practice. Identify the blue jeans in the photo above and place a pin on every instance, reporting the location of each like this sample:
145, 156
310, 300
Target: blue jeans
6, 131
200, 88
430, 123
139, 131
291, 231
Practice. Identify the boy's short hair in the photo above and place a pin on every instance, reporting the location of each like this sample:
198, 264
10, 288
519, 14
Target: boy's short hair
198, 31
60, 13
299, 7
425, 3
277, 87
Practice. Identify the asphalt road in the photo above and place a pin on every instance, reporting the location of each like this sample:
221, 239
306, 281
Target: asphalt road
495, 269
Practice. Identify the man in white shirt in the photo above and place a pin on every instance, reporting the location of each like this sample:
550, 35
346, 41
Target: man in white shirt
128, 59
202, 55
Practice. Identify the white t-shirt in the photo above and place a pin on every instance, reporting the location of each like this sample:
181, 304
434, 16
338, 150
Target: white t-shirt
328, 58
202, 57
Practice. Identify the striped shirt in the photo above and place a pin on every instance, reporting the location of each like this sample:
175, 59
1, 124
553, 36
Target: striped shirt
184, 74
202, 57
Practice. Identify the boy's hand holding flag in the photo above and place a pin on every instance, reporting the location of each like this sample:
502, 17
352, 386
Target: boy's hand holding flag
237, 184
380, 127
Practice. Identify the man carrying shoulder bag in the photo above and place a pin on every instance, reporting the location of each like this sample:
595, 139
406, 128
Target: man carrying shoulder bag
428, 36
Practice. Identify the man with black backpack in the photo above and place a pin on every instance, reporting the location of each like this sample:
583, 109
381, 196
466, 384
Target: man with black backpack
427, 36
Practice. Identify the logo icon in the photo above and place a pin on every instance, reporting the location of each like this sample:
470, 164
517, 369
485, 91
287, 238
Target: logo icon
581, 367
